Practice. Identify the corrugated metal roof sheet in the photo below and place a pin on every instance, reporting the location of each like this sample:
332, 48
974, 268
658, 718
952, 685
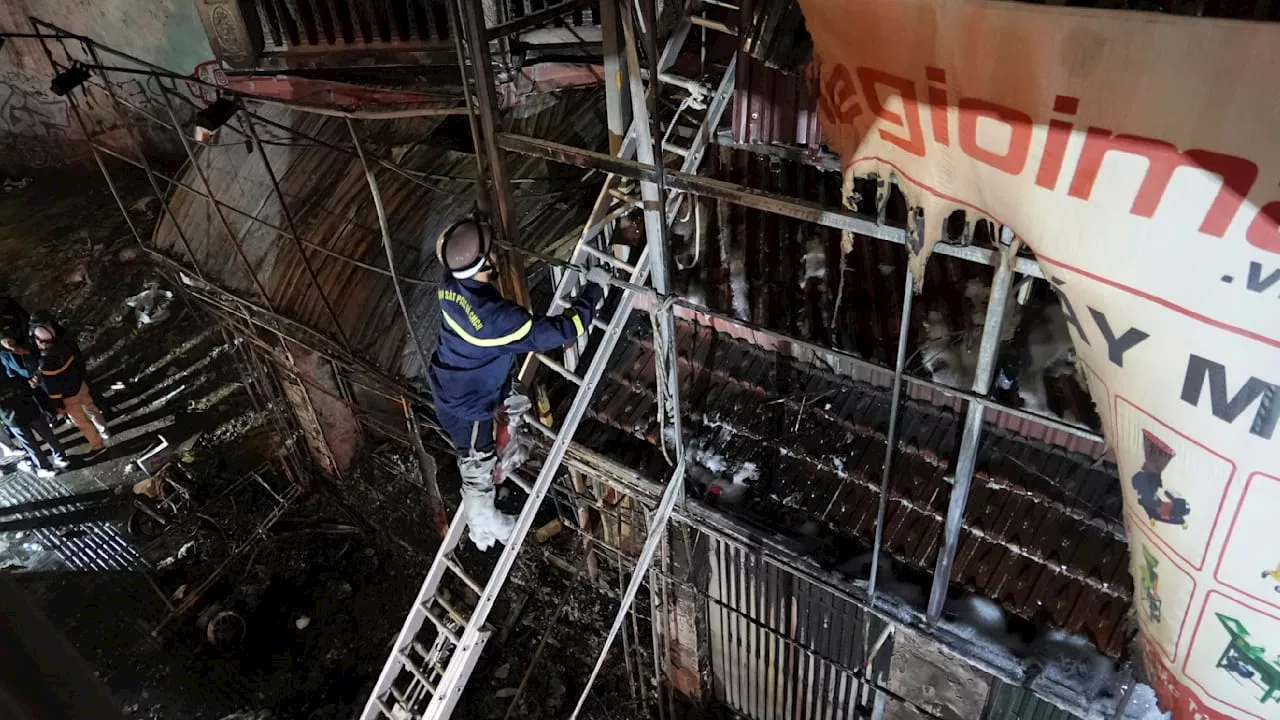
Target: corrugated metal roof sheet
793, 277
1011, 702
1040, 534
330, 200
773, 107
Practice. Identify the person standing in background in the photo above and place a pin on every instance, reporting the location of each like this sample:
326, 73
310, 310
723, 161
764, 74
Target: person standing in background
23, 419
62, 377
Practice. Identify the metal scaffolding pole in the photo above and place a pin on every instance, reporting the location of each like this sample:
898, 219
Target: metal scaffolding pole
666, 360
222, 218
616, 87
146, 166
825, 215
386, 244
992, 327
293, 231
890, 445
476, 38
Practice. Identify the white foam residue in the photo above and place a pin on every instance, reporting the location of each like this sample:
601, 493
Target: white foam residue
738, 284
1143, 706
815, 261
746, 472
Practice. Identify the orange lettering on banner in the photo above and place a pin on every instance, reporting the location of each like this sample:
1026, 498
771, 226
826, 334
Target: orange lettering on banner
1264, 231
1012, 160
1163, 159
1055, 144
837, 98
870, 78
938, 104
838, 104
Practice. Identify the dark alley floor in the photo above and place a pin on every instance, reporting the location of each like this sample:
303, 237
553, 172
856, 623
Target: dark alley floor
318, 599
67, 249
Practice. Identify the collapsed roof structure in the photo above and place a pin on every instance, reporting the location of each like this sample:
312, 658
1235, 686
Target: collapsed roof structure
864, 464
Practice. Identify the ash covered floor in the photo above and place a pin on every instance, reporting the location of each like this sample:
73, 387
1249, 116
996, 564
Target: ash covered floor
321, 598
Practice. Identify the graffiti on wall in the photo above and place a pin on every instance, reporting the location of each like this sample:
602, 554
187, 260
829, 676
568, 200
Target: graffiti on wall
39, 130
36, 130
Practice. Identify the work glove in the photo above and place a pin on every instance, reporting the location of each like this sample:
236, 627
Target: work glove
593, 295
599, 275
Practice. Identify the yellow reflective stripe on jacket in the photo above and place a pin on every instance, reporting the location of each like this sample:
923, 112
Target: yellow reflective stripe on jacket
519, 333
60, 370
577, 322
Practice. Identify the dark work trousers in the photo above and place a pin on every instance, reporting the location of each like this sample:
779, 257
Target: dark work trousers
469, 437
47, 407
29, 434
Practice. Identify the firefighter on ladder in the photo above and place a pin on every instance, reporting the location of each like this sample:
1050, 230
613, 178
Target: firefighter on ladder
480, 335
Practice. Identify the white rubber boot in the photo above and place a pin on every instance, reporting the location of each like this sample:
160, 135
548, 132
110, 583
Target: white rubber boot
486, 524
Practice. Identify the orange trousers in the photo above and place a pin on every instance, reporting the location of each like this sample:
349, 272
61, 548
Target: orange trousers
86, 416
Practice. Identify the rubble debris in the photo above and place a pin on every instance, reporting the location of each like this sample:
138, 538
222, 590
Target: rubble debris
223, 628
15, 184
150, 306
302, 623
548, 531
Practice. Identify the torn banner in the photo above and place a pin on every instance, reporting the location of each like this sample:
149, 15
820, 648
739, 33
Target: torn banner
1136, 154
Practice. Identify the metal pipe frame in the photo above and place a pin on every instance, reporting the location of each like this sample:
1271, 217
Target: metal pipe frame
253, 218
475, 37
294, 234
146, 166
666, 358
396, 389
992, 327
386, 244
222, 218
984, 401
824, 215
536, 18
362, 414
890, 445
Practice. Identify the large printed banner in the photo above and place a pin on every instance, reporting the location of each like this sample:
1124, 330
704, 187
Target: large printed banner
1139, 156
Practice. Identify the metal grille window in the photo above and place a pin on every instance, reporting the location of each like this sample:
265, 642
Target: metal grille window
782, 647
325, 24
588, 15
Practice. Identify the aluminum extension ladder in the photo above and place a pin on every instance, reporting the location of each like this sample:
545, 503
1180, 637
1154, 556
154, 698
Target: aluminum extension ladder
436, 671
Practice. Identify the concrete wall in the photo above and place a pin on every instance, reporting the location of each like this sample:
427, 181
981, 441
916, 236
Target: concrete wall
38, 129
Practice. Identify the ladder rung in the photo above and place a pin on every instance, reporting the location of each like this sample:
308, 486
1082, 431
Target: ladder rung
453, 612
466, 578
674, 148
712, 25
521, 482
623, 196
564, 371
400, 698
386, 710
603, 256
693, 86
442, 627
531, 420
417, 673
599, 324
722, 4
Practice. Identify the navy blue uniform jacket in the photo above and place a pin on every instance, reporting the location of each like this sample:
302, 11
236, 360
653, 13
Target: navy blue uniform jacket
481, 333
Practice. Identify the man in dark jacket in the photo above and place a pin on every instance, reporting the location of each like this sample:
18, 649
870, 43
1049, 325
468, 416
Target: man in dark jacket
13, 317
480, 335
22, 417
20, 359
62, 377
